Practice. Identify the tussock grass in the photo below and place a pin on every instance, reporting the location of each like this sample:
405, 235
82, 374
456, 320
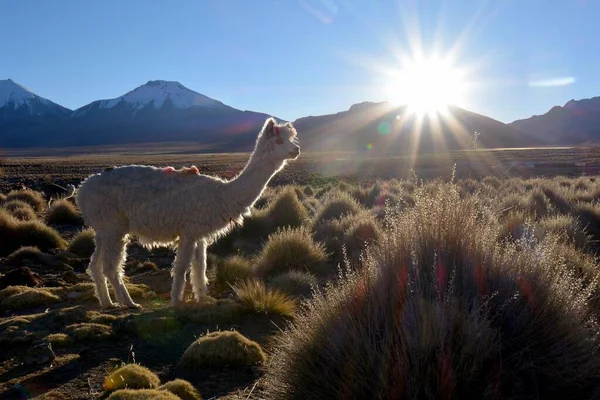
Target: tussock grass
449, 312
15, 234
33, 198
59, 340
181, 388
25, 256
20, 210
567, 228
90, 331
63, 212
295, 283
286, 210
24, 297
143, 394
336, 205
83, 244
589, 215
231, 270
131, 376
255, 296
228, 348
288, 250
308, 190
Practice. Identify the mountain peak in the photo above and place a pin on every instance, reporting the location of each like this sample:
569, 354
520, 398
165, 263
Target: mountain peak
158, 92
11, 93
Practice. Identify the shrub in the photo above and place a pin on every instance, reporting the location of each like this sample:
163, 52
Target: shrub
232, 270
337, 205
15, 234
567, 228
539, 205
258, 298
63, 212
557, 199
446, 311
89, 331
131, 376
58, 340
492, 181
295, 283
362, 232
20, 210
589, 215
25, 256
290, 249
513, 226
83, 244
222, 349
143, 394
23, 297
183, 389
286, 210
34, 199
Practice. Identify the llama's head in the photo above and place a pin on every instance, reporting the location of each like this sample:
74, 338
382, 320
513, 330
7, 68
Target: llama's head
278, 142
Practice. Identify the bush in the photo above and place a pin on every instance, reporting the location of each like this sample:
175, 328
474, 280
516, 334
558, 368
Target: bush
131, 376
589, 215
295, 283
90, 331
443, 309
362, 232
15, 234
20, 210
83, 244
183, 389
23, 297
256, 297
25, 256
337, 205
143, 394
58, 340
232, 270
286, 210
63, 212
567, 228
288, 250
34, 199
222, 349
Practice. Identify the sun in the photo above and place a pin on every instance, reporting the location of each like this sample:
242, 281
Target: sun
426, 85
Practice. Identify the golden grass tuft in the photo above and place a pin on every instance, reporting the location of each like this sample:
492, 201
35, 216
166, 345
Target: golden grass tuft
183, 389
88, 331
229, 348
295, 283
20, 210
23, 297
15, 234
232, 270
83, 244
336, 205
258, 298
33, 198
59, 340
63, 212
143, 394
131, 376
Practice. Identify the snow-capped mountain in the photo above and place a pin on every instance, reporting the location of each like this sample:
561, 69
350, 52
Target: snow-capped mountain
17, 102
154, 94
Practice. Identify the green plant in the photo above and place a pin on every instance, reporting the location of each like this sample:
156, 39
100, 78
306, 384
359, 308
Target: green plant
290, 249
336, 205
183, 389
295, 283
33, 198
142, 394
89, 331
258, 298
232, 270
131, 376
228, 348
20, 210
15, 234
23, 297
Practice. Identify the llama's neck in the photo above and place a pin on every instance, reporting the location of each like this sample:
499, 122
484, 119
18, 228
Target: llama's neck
247, 187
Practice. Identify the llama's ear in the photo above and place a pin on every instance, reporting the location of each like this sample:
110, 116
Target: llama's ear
269, 125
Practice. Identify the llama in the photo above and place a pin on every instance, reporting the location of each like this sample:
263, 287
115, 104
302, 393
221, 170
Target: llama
167, 207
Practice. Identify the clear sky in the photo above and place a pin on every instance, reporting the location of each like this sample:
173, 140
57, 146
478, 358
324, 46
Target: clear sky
293, 58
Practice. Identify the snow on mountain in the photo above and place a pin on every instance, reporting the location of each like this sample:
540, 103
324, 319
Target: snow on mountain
158, 92
16, 100
11, 93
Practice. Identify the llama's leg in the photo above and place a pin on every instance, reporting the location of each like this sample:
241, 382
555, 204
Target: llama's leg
113, 269
185, 252
198, 274
95, 272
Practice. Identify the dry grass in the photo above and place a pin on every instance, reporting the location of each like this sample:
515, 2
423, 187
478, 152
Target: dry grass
232, 270
15, 234
183, 389
222, 349
33, 198
89, 331
83, 244
255, 296
23, 297
143, 394
20, 210
63, 212
336, 205
131, 376
295, 283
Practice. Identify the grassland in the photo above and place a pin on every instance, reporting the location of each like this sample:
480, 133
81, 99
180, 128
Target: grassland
354, 277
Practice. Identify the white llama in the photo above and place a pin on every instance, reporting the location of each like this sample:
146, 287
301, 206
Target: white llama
163, 206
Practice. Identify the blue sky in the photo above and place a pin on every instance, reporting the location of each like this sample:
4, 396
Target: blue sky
294, 58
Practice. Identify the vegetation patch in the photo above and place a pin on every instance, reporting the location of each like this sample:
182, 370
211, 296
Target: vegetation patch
33, 198
228, 348
257, 297
83, 244
295, 283
143, 394
24, 297
183, 389
89, 331
15, 234
131, 376
232, 270
63, 212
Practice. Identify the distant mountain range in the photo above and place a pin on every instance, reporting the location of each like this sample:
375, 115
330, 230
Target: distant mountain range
167, 111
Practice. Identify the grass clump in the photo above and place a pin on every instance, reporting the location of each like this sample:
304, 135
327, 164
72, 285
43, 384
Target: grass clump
25, 256
89, 331
258, 298
287, 209
567, 228
449, 312
63, 212
308, 190
59, 340
143, 394
295, 283
83, 244
228, 348
146, 266
288, 250
33, 198
183, 389
15, 234
20, 210
362, 232
337, 205
131, 376
232, 270
23, 297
